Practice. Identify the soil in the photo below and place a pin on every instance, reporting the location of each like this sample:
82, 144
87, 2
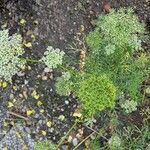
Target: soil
56, 23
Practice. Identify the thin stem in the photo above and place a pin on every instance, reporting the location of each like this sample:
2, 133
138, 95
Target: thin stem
84, 140
96, 132
30, 60
63, 138
18, 115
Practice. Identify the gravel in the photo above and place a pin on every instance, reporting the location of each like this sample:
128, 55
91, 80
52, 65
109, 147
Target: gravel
16, 139
3, 116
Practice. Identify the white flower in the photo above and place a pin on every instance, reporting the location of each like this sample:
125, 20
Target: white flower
53, 57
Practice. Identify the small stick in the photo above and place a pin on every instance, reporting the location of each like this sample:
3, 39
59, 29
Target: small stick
63, 138
96, 132
18, 115
84, 140
144, 88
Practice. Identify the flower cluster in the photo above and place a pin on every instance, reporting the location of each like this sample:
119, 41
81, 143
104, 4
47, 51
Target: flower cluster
10, 50
53, 57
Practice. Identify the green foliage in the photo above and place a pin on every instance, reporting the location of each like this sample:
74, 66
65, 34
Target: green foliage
116, 59
96, 93
135, 138
95, 144
117, 29
113, 44
45, 145
130, 75
129, 106
10, 50
114, 142
63, 84
53, 57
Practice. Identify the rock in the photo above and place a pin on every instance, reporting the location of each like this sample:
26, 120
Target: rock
28, 130
16, 139
51, 130
69, 139
44, 78
20, 74
75, 142
36, 116
46, 70
26, 82
66, 102
64, 147
40, 122
25, 94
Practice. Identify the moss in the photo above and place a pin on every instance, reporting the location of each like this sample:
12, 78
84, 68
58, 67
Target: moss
96, 93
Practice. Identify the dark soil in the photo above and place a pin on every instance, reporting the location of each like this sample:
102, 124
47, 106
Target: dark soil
57, 23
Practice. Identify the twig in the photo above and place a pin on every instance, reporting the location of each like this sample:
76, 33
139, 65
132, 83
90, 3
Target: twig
63, 138
144, 89
84, 140
96, 132
18, 115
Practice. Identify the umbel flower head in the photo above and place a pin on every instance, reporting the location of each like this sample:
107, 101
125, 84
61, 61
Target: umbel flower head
10, 50
53, 57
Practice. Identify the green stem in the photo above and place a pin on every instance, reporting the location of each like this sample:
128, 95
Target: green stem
84, 140
63, 138
30, 60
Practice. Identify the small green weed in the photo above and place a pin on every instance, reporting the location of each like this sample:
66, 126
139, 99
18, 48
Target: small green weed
116, 51
10, 51
96, 93
44, 145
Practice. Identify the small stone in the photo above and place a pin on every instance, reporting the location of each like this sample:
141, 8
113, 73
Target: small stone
26, 82
38, 76
51, 76
66, 102
40, 122
35, 22
20, 74
44, 78
78, 135
20, 95
28, 130
29, 68
25, 94
51, 130
41, 110
64, 147
36, 116
75, 142
47, 70
69, 139
62, 109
